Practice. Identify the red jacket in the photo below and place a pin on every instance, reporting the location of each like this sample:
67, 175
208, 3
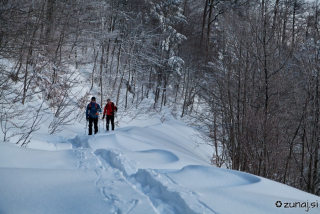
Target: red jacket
109, 109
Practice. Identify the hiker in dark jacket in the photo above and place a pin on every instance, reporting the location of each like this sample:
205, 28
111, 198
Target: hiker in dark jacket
92, 114
109, 110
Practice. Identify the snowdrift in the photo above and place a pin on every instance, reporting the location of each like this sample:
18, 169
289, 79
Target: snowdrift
161, 168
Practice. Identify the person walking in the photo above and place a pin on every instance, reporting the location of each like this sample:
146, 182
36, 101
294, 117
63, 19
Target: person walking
92, 114
109, 110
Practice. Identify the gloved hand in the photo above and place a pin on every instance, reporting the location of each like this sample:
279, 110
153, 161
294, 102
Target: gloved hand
103, 117
87, 118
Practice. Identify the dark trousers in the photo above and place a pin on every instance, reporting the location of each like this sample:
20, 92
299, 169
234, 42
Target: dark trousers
110, 118
95, 122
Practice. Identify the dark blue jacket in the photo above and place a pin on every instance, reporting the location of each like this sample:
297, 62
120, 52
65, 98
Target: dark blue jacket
93, 110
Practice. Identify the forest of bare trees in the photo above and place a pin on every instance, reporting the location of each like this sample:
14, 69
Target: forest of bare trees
245, 73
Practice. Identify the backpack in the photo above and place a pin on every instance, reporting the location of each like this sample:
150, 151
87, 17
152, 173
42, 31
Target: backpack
96, 105
114, 108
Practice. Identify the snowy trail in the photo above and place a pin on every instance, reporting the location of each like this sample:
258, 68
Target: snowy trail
155, 187
161, 190
110, 167
157, 169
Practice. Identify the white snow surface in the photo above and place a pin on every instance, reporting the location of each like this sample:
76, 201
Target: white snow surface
144, 166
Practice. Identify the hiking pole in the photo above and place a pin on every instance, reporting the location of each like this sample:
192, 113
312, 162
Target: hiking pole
103, 124
85, 132
99, 124
116, 119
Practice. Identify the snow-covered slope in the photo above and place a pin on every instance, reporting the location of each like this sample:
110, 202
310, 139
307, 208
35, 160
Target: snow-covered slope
143, 167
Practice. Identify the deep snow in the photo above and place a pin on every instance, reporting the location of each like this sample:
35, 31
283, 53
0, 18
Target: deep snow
144, 166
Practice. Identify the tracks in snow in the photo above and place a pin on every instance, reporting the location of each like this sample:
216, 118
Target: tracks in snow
127, 189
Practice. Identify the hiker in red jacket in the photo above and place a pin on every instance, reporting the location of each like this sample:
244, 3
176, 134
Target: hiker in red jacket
109, 109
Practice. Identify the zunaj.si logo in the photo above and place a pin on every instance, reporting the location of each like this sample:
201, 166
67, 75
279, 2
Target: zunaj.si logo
306, 205
278, 204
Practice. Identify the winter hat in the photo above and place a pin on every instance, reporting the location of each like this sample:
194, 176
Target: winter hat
93, 99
